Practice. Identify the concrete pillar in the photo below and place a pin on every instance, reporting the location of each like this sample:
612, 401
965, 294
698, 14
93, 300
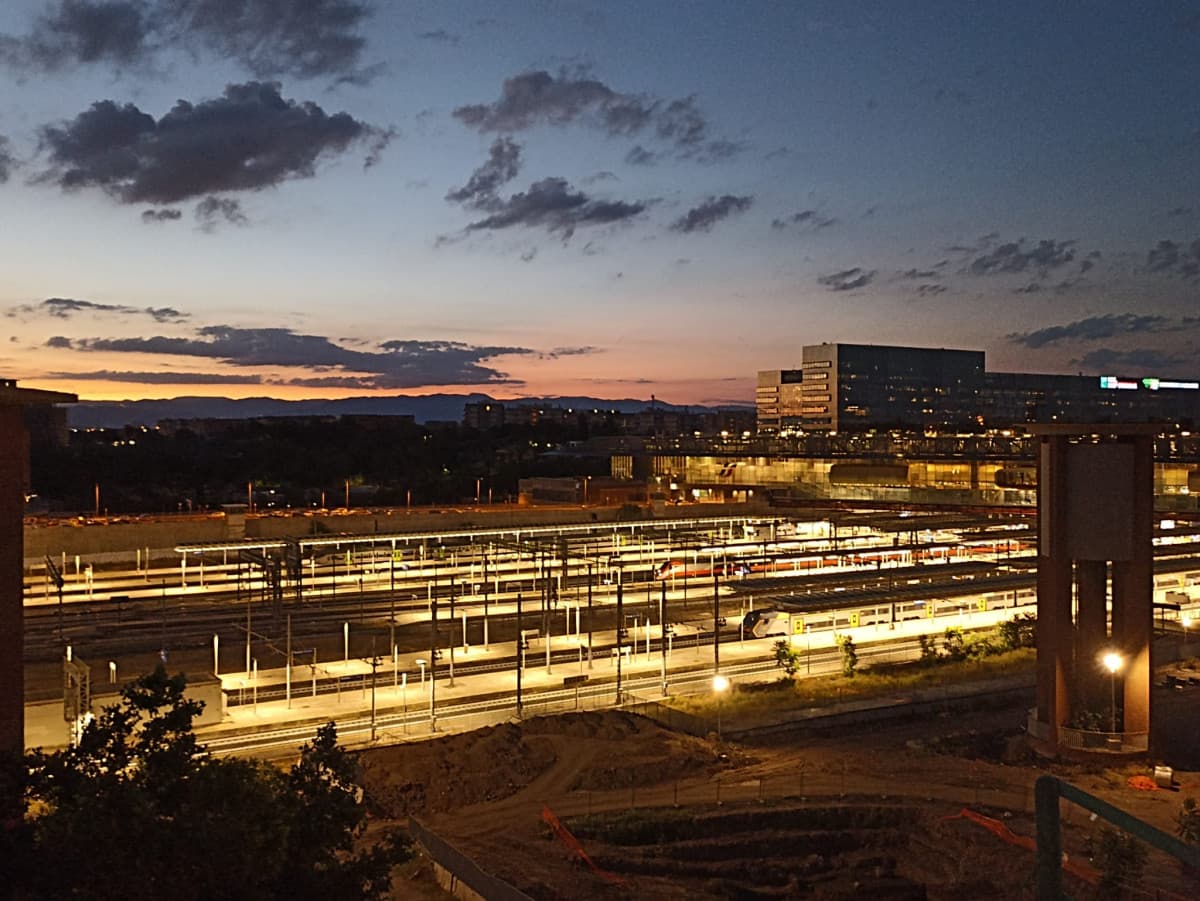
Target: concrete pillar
1055, 658
1095, 511
14, 457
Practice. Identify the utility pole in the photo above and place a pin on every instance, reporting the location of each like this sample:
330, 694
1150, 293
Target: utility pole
716, 623
620, 628
374, 668
520, 653
433, 652
486, 645
589, 616
288, 670
662, 634
452, 642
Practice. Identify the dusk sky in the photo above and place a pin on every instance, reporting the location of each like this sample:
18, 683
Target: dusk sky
323, 198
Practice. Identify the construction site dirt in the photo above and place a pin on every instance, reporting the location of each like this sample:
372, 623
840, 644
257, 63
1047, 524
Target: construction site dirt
613, 805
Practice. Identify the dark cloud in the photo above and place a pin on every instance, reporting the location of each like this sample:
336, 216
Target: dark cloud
163, 378
805, 219
503, 163
640, 156
711, 211
1014, 256
1094, 328
78, 31
1175, 259
66, 307
528, 255
1153, 360
395, 364
270, 38
164, 215
7, 161
603, 175
1180, 211
212, 210
440, 36
539, 98
59, 341
552, 204
534, 98
248, 139
301, 38
847, 279
570, 352
930, 289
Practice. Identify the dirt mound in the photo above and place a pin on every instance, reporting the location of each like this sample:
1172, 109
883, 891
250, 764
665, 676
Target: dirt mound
593, 751
454, 771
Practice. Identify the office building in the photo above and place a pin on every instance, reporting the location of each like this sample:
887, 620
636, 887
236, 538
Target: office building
862, 387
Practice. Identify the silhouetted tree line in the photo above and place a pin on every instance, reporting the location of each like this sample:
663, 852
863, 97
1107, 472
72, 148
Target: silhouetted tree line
303, 463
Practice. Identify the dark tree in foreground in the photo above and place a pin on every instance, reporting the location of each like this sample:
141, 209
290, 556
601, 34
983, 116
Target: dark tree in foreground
139, 809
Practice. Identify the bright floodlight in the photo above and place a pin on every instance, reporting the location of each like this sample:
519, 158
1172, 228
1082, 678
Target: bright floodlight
1112, 661
1187, 622
720, 683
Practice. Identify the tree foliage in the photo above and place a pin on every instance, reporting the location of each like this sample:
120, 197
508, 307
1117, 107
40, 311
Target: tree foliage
787, 657
1121, 858
139, 809
849, 655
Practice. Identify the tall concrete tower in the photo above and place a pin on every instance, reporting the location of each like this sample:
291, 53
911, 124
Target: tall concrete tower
1095, 530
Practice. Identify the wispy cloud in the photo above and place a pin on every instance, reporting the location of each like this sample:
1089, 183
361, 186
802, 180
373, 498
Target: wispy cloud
554, 205
156, 377
1154, 360
805, 219
847, 279
503, 164
1175, 258
711, 211
1016, 256
441, 36
1095, 328
68, 307
162, 215
7, 161
213, 210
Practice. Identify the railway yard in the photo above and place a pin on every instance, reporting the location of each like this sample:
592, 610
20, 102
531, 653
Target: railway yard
338, 614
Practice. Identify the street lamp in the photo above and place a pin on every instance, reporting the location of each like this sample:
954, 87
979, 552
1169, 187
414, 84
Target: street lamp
1113, 663
720, 685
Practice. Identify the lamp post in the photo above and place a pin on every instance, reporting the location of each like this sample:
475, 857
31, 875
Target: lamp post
720, 685
1113, 663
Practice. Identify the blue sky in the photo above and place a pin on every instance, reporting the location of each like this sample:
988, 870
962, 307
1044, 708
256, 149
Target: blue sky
304, 198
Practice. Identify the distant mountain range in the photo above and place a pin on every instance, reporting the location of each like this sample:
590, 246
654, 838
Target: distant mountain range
423, 408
